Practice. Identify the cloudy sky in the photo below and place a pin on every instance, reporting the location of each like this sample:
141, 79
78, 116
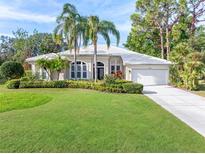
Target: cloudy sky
41, 14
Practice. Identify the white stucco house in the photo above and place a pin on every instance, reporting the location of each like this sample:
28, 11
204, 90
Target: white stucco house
135, 67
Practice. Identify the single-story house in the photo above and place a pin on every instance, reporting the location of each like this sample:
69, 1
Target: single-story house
135, 67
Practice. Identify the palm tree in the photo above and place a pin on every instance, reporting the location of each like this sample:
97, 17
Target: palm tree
71, 26
103, 28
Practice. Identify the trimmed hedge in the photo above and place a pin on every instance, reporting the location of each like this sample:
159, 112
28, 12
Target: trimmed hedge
133, 88
13, 84
43, 84
120, 87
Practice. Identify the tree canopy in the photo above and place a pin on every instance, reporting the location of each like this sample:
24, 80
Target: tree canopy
170, 29
23, 45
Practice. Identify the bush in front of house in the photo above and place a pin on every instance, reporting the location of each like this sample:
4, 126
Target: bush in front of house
133, 88
81, 84
112, 79
13, 84
120, 87
43, 84
60, 84
11, 70
2, 79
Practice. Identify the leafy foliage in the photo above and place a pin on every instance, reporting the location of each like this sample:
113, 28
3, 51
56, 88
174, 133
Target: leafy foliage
11, 70
117, 87
189, 66
23, 45
170, 27
52, 65
72, 28
194, 68
13, 84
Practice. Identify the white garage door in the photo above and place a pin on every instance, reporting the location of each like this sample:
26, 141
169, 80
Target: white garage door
150, 76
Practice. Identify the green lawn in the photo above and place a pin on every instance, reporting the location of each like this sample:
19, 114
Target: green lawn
22, 100
77, 120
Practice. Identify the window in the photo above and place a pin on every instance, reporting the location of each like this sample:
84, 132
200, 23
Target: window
81, 68
115, 66
118, 68
112, 69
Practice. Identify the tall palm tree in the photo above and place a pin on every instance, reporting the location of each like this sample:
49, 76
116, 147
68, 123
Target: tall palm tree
103, 28
71, 26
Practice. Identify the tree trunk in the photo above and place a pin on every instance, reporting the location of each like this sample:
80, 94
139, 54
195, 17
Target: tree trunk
162, 42
80, 39
58, 75
193, 22
167, 42
95, 60
75, 59
49, 74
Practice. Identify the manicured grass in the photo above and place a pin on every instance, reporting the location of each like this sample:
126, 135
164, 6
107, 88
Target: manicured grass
14, 101
88, 121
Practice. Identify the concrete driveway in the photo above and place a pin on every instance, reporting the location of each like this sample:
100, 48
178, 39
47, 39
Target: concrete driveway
188, 107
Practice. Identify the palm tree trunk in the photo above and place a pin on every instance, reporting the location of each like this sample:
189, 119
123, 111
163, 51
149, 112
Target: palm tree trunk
75, 59
79, 44
95, 60
162, 42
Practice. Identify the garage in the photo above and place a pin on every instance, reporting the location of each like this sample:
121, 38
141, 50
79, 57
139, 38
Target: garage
150, 76
145, 69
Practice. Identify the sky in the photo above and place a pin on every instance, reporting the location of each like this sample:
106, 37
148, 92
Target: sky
41, 14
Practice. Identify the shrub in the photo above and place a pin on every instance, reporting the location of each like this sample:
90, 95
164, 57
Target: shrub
26, 78
32, 84
110, 79
81, 84
120, 81
118, 75
109, 88
29, 76
132, 88
13, 84
121, 87
43, 84
11, 70
2, 79
60, 84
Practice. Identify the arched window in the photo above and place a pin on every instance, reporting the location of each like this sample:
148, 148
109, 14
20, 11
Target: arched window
81, 70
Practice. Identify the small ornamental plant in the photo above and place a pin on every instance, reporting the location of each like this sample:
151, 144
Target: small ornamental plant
118, 75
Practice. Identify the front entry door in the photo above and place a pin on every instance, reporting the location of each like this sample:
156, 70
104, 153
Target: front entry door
100, 72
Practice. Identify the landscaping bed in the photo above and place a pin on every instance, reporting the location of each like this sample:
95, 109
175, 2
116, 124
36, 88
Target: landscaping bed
118, 86
201, 90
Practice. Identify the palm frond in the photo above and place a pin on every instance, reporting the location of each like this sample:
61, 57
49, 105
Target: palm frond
106, 37
109, 27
